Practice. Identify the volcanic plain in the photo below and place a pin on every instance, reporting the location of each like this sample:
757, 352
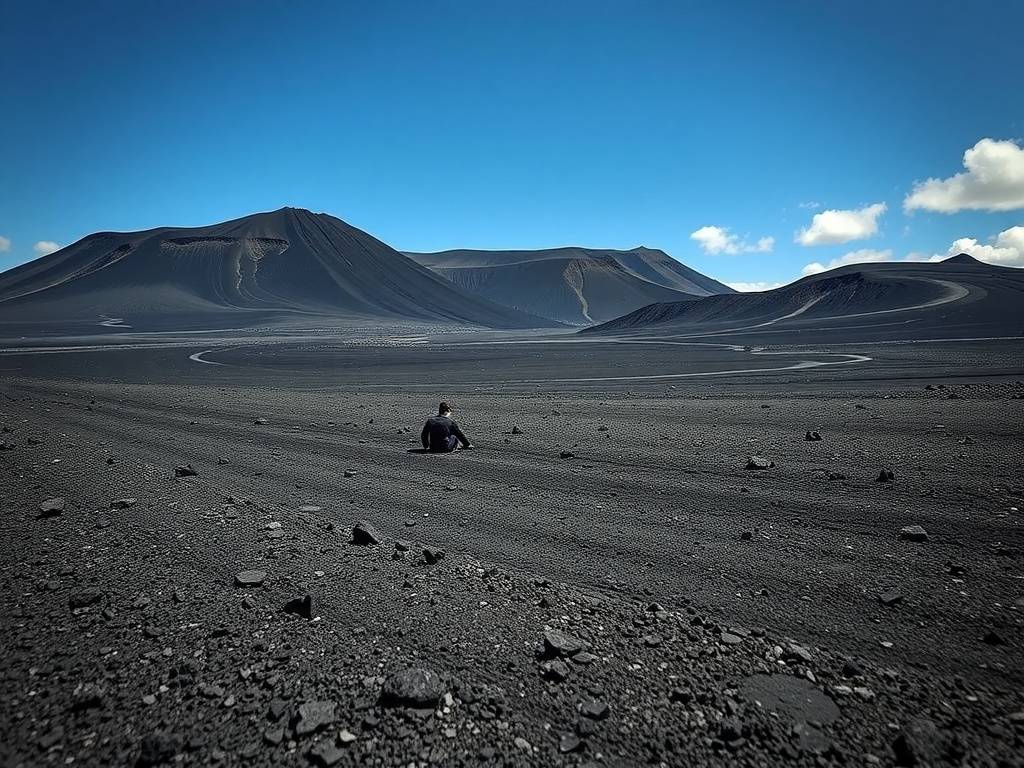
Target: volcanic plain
223, 549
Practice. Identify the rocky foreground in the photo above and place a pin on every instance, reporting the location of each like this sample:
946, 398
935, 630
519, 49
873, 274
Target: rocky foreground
153, 619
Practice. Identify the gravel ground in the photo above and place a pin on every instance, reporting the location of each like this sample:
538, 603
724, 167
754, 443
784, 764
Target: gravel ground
648, 600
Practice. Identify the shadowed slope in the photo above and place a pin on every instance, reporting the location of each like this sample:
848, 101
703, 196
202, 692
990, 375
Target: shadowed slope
285, 266
958, 297
572, 285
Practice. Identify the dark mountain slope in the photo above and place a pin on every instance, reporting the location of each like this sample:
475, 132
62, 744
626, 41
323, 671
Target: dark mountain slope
282, 266
572, 285
958, 296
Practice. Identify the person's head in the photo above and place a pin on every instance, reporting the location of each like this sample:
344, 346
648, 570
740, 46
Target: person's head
444, 410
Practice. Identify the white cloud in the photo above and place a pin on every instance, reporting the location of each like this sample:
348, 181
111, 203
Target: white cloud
810, 205
993, 181
1007, 248
833, 227
716, 240
5, 244
45, 247
755, 287
863, 256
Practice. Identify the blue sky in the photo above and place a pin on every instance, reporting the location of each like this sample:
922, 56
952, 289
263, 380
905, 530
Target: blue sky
523, 125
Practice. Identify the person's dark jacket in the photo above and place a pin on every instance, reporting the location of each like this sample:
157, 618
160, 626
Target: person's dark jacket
440, 433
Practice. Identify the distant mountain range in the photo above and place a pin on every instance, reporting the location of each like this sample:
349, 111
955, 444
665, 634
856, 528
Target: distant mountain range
957, 297
576, 286
284, 267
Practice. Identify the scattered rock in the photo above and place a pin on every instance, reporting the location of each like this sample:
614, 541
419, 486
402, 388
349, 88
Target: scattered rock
993, 638
365, 535
123, 503
51, 507
349, 473
885, 476
594, 709
913, 533
312, 716
326, 753
87, 696
300, 606
432, 555
259, 422
516, 431
251, 578
759, 462
558, 644
84, 599
413, 687
569, 742
567, 455
890, 597
185, 470
918, 744
812, 436
554, 670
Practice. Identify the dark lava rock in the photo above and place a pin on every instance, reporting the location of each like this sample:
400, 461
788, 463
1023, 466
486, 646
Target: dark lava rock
259, 422
312, 716
794, 652
157, 749
250, 578
185, 470
913, 533
594, 709
759, 462
885, 476
560, 644
890, 597
123, 503
300, 606
5, 446
432, 555
84, 599
555, 670
365, 535
919, 743
569, 742
993, 638
413, 687
51, 508
516, 431
326, 753
746, 536
567, 455
812, 436
852, 669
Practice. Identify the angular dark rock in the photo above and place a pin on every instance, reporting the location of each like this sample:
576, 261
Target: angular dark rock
432, 555
84, 599
554, 670
560, 644
52, 507
326, 753
890, 597
594, 709
567, 455
123, 503
314, 715
516, 431
252, 578
919, 743
412, 687
913, 533
365, 535
812, 436
759, 463
569, 742
185, 470
885, 476
300, 606
87, 696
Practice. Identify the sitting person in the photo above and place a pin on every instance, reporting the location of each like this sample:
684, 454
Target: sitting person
441, 434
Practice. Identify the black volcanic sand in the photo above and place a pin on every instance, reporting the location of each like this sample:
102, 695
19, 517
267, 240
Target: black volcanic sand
729, 616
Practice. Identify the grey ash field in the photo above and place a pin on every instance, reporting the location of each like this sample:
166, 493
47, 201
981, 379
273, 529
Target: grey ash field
616, 588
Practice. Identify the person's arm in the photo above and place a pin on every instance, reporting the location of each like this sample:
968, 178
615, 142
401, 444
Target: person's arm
425, 436
462, 438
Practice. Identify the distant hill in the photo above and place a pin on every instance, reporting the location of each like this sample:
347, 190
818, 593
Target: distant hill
578, 286
956, 297
286, 266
